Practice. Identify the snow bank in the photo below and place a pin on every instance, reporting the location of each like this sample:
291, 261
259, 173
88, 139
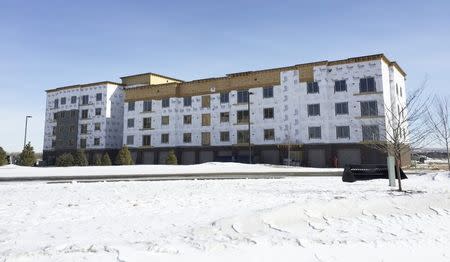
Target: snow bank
206, 168
294, 219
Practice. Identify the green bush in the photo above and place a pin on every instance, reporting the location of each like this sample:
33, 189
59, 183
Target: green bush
65, 160
27, 156
97, 160
2, 157
171, 158
124, 157
79, 158
106, 161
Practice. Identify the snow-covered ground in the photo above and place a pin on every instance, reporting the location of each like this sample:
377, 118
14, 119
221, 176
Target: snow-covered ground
206, 168
292, 219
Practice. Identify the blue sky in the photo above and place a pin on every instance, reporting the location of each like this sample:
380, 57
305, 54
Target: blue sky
47, 44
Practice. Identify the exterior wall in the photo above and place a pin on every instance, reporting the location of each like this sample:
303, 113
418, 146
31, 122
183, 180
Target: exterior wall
66, 132
111, 105
289, 102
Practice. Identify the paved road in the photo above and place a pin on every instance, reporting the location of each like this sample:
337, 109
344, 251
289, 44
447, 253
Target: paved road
163, 177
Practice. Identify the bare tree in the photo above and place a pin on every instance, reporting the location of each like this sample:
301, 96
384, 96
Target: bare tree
437, 119
403, 127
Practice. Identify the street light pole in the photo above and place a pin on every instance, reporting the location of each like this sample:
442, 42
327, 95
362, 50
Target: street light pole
26, 126
249, 133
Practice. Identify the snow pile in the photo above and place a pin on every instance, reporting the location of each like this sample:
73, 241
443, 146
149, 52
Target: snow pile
294, 219
206, 168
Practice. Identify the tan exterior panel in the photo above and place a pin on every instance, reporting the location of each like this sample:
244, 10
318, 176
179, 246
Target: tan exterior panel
237, 81
148, 79
142, 79
151, 92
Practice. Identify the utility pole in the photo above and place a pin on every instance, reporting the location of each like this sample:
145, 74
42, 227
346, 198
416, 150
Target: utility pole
26, 126
249, 133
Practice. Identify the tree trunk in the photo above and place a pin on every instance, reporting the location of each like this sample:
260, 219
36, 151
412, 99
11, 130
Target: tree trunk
397, 171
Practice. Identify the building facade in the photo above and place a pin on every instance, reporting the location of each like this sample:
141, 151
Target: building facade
88, 116
316, 114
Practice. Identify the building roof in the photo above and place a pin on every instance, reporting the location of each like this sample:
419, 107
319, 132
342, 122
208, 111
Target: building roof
81, 86
237, 74
317, 63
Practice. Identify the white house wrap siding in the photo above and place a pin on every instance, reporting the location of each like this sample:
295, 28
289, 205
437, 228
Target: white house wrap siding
327, 122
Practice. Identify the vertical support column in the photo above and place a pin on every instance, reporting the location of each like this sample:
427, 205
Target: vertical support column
197, 156
391, 170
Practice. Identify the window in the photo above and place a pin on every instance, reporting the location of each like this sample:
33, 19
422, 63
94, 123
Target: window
340, 86
224, 117
165, 120
53, 143
268, 113
206, 101
130, 122
98, 97
341, 108
54, 130
72, 129
242, 116
367, 85
242, 96
96, 141
206, 119
98, 111
267, 92
165, 102
314, 110
130, 140
187, 119
269, 134
84, 114
187, 101
147, 122
224, 98
187, 138
56, 103
83, 143
370, 133
401, 92
342, 132
73, 99
224, 136
73, 113
85, 100
315, 132
242, 136
97, 126
146, 140
164, 138
396, 90
131, 106
369, 108
62, 114
147, 107
83, 129
63, 101
312, 87
55, 116
206, 138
